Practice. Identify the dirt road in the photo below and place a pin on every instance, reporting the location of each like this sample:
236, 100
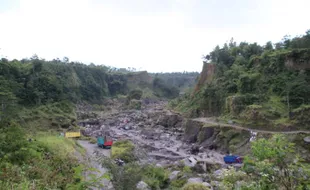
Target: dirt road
93, 163
208, 121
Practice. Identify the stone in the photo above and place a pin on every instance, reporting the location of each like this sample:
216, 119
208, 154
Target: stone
158, 165
102, 127
127, 127
218, 174
194, 149
173, 175
190, 162
195, 180
142, 186
307, 139
207, 185
230, 122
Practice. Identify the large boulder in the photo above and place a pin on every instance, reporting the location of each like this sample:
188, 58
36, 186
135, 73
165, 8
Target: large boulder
192, 129
190, 162
195, 180
207, 185
170, 120
173, 175
142, 186
307, 139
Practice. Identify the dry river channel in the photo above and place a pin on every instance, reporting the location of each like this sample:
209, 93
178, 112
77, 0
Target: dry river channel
157, 134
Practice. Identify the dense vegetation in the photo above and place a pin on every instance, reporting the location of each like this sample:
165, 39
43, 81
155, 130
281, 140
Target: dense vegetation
36, 164
267, 85
273, 164
36, 81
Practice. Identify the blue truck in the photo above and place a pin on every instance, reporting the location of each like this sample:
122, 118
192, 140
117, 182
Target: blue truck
233, 159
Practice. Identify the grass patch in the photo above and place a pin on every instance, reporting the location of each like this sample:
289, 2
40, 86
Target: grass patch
123, 150
56, 143
47, 162
51, 116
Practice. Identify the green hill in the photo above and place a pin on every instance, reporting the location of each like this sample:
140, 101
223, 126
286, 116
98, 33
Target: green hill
263, 86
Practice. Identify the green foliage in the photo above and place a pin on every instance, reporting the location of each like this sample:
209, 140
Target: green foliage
35, 164
275, 165
162, 89
195, 186
53, 116
178, 183
123, 177
182, 81
231, 177
155, 177
93, 140
247, 74
124, 150
135, 94
80, 183
14, 146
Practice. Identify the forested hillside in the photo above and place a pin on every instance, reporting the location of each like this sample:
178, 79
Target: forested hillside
183, 81
264, 86
36, 81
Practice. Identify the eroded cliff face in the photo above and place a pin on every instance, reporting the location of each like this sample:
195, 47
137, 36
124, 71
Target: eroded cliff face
214, 137
206, 75
298, 59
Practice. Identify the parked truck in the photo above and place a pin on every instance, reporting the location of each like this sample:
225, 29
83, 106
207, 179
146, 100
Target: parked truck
233, 159
104, 142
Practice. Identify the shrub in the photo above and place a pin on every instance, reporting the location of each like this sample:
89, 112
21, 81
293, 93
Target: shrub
124, 150
135, 94
93, 140
123, 177
178, 183
155, 177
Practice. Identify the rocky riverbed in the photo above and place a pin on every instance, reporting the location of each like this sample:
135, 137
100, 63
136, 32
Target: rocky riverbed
157, 133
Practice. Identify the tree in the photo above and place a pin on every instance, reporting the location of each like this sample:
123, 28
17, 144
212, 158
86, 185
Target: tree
65, 60
295, 89
34, 57
6, 99
268, 46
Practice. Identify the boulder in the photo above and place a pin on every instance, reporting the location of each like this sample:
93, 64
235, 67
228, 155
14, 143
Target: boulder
207, 185
194, 149
218, 174
190, 162
307, 139
142, 186
158, 165
230, 122
192, 129
103, 127
169, 120
173, 175
195, 180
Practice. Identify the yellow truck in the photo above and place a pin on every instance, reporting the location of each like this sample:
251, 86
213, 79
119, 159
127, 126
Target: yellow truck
72, 134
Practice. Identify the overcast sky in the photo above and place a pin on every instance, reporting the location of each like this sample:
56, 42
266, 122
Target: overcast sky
152, 35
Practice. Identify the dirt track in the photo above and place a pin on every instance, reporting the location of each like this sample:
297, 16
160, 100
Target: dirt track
93, 163
208, 121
